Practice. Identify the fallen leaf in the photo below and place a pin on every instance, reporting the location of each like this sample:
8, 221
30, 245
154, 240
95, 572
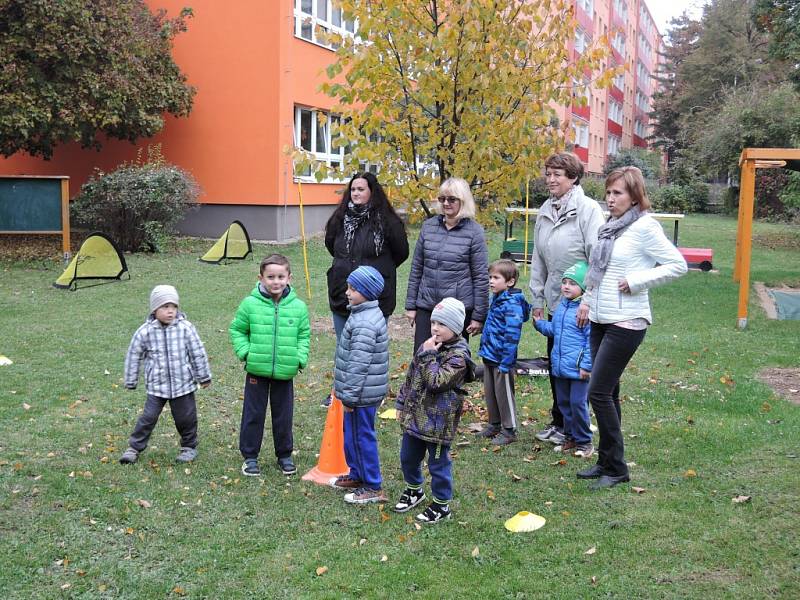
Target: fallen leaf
143, 503
179, 591
594, 580
106, 372
384, 558
690, 473
515, 477
26, 406
66, 586
321, 570
741, 499
475, 427
417, 526
638, 490
475, 552
490, 494
362, 541
591, 550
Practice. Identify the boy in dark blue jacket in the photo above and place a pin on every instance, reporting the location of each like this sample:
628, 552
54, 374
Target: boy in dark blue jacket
499, 341
571, 362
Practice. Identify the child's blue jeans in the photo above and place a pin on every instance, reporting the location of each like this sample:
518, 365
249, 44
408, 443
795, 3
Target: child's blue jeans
412, 452
572, 396
361, 446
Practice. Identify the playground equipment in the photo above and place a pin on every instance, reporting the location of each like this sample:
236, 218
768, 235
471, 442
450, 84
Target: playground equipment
750, 160
233, 245
98, 258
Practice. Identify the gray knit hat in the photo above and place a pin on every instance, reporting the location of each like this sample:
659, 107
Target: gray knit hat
161, 295
368, 281
450, 313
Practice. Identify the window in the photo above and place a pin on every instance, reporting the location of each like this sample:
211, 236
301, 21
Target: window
619, 42
615, 111
314, 18
582, 40
619, 81
640, 129
315, 131
613, 145
581, 130
586, 5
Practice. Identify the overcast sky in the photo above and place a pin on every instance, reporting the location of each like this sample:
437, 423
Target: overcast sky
664, 11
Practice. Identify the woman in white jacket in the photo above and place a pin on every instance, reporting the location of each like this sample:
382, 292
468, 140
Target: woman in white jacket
632, 254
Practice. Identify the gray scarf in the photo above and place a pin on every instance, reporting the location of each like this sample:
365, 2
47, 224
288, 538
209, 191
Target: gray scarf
606, 236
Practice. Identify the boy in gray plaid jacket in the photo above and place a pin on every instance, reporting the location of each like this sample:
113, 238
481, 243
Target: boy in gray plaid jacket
175, 361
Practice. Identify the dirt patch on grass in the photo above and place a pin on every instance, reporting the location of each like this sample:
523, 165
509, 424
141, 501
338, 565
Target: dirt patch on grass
785, 382
398, 327
784, 240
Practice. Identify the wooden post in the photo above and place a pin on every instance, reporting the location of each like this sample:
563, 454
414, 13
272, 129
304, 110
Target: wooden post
66, 245
527, 224
744, 237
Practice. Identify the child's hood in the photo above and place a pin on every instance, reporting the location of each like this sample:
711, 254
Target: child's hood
264, 296
460, 345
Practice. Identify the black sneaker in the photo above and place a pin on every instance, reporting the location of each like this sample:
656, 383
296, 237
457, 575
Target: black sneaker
250, 468
287, 466
409, 499
327, 402
434, 513
504, 438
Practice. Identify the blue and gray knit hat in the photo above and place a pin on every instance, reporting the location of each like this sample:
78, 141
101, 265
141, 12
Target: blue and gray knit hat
368, 281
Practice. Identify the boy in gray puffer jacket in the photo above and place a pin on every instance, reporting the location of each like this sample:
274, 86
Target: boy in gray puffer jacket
361, 379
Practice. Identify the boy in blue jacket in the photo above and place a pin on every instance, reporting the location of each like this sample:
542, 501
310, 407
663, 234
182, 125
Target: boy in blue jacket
499, 342
571, 362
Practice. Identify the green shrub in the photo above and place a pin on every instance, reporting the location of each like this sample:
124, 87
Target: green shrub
697, 195
138, 204
594, 187
670, 199
730, 200
648, 162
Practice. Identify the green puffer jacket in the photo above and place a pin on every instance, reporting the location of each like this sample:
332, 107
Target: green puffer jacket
272, 338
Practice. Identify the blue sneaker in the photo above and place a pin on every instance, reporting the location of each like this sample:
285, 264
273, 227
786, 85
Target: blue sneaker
250, 468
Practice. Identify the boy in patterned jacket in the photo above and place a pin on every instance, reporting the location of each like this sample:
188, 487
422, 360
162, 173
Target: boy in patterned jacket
499, 342
429, 406
271, 334
174, 361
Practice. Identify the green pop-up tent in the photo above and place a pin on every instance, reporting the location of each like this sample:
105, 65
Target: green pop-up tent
98, 258
233, 245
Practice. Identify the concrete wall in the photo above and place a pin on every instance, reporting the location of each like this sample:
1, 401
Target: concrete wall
264, 223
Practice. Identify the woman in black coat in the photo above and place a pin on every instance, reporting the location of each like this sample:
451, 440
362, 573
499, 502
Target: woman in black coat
364, 230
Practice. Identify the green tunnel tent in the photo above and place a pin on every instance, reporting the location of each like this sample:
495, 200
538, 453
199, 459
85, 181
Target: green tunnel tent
233, 245
98, 259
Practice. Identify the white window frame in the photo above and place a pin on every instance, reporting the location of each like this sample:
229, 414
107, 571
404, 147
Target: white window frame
582, 40
321, 18
613, 144
586, 5
581, 130
326, 154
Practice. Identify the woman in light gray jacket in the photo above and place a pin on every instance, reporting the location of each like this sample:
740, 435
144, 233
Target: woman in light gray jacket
632, 254
450, 260
565, 232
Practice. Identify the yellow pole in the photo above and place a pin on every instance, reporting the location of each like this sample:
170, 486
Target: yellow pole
527, 204
303, 237
745, 237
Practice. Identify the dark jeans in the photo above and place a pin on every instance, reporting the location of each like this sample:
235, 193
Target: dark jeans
558, 418
184, 412
412, 453
422, 327
258, 391
612, 348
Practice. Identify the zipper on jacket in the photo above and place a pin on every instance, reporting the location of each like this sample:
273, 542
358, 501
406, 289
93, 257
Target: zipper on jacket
274, 339
166, 355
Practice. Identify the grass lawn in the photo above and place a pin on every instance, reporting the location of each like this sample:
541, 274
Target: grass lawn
700, 430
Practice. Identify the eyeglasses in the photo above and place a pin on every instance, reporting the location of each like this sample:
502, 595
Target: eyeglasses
448, 199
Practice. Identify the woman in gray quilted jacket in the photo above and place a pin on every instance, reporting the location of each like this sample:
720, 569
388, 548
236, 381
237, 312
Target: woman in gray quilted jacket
450, 260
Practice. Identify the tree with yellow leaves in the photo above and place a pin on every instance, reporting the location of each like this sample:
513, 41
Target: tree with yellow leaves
440, 88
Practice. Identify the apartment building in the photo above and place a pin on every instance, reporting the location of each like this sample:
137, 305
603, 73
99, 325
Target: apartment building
605, 120
257, 70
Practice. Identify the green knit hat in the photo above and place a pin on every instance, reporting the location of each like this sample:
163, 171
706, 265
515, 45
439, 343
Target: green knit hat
577, 273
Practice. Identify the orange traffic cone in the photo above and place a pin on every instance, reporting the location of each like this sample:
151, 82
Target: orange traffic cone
331, 452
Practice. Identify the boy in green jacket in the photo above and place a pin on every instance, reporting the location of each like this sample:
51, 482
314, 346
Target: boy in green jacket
271, 333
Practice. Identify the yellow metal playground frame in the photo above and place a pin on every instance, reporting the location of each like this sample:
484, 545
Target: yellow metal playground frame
750, 160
